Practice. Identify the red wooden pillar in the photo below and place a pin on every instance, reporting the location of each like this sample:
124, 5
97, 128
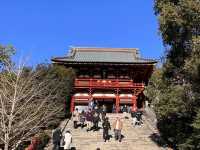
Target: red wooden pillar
90, 94
90, 91
72, 104
134, 103
117, 103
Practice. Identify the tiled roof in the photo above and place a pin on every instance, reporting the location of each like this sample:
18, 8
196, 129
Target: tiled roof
100, 55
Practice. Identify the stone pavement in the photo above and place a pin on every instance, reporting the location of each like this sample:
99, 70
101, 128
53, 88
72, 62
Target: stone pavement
135, 138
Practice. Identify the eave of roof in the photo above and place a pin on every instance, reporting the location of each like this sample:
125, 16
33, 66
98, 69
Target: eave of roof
90, 55
95, 62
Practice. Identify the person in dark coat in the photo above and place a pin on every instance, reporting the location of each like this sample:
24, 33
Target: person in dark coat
106, 128
113, 109
57, 135
139, 118
96, 104
89, 119
134, 119
103, 115
76, 117
96, 120
82, 119
125, 111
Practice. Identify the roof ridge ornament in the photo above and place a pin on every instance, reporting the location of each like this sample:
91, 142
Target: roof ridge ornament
104, 49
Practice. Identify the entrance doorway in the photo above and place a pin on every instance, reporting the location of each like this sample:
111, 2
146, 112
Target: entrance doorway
109, 103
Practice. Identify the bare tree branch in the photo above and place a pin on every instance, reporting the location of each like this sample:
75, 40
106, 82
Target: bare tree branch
26, 105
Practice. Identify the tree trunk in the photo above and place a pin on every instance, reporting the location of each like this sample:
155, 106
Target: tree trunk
6, 145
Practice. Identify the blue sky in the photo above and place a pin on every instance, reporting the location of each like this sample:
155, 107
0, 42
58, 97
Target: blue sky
41, 29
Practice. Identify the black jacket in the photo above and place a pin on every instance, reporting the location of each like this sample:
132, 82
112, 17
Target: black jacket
106, 125
56, 136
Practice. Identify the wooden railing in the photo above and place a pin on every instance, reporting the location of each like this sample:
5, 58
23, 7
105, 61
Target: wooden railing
107, 83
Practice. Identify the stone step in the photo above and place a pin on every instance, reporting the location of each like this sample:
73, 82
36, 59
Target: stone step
135, 138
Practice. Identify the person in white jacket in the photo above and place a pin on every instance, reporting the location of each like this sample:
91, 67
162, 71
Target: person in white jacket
67, 140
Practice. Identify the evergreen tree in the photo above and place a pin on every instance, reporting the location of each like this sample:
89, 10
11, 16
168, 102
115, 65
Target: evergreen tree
178, 99
62, 79
5, 54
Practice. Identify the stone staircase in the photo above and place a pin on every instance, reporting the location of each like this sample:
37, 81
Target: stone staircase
135, 138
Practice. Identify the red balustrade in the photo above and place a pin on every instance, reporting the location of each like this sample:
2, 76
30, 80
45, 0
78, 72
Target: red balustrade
107, 83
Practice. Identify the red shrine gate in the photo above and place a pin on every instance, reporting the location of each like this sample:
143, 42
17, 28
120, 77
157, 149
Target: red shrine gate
109, 75
132, 90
